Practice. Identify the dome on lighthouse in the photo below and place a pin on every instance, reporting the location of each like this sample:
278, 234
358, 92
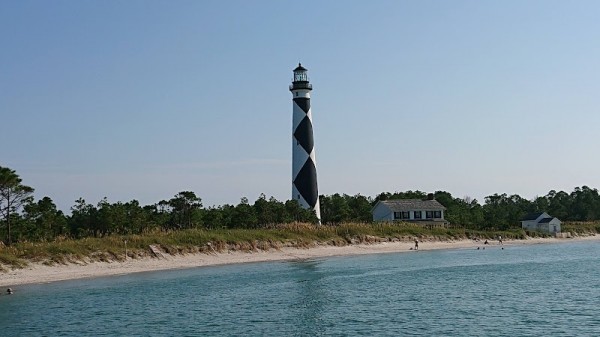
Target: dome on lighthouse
300, 68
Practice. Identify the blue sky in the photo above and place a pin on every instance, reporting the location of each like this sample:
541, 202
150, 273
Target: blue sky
143, 99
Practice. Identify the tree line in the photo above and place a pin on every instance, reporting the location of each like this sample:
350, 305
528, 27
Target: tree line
25, 219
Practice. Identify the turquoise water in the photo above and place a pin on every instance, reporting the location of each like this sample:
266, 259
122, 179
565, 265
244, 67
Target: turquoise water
541, 290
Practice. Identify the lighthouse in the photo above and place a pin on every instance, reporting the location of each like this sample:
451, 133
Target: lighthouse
304, 169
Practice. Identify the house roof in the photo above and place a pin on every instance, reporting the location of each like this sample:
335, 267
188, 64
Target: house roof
546, 220
398, 205
532, 216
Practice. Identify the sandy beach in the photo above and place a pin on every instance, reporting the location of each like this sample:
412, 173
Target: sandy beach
39, 273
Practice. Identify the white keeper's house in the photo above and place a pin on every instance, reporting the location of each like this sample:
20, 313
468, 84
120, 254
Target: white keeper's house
541, 222
427, 212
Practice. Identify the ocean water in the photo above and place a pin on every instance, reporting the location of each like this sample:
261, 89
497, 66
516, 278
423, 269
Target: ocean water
539, 290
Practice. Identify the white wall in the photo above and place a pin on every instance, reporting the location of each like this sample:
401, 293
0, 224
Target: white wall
382, 212
529, 225
551, 224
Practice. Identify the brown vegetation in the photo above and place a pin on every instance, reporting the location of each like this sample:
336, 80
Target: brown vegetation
192, 241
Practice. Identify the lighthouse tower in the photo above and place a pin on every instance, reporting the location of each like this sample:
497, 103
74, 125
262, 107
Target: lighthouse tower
304, 169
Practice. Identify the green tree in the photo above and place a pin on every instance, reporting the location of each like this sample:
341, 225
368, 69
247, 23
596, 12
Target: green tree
228, 215
400, 195
281, 213
296, 213
244, 215
138, 219
454, 208
266, 210
155, 218
495, 211
559, 205
335, 209
185, 208
107, 219
13, 195
45, 221
540, 204
502, 211
84, 219
476, 212
360, 208
585, 204
122, 218
213, 218
461, 211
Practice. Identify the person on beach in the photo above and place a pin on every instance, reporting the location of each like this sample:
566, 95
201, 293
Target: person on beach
9, 291
500, 239
416, 244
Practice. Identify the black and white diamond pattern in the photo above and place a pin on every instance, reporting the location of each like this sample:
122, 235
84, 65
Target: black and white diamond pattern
304, 134
304, 171
306, 183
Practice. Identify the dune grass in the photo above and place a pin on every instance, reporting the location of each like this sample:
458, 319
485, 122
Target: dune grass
112, 248
592, 227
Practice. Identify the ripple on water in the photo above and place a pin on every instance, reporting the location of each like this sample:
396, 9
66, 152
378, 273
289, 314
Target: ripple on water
550, 290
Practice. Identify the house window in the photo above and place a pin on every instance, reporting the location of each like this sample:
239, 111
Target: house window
401, 215
418, 214
429, 214
437, 214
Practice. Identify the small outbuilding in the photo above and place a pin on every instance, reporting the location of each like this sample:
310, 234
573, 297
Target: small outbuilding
541, 222
427, 212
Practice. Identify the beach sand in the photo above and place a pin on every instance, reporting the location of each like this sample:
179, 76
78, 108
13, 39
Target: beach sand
39, 273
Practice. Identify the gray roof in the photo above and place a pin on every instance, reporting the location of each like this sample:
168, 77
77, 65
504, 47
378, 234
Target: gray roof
546, 220
398, 205
532, 216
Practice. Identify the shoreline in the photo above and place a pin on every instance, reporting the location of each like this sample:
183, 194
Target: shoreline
37, 273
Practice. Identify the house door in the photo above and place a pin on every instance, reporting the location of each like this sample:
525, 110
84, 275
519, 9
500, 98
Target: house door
554, 229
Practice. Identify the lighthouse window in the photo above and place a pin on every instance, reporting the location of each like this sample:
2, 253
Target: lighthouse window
296, 94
